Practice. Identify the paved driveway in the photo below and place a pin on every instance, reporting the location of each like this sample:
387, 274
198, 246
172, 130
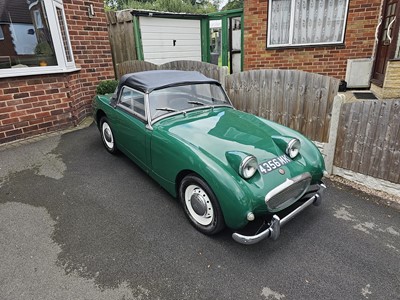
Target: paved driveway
79, 223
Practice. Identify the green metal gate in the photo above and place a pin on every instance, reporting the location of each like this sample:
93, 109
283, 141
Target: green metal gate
222, 39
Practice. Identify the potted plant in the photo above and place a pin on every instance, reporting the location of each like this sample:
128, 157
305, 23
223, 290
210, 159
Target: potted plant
44, 50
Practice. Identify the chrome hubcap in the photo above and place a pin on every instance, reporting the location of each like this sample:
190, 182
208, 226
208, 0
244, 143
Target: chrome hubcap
107, 135
199, 205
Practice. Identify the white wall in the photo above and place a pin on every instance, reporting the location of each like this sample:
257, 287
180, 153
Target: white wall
158, 35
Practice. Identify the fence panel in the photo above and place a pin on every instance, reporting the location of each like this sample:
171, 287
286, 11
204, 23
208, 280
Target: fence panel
121, 35
300, 100
369, 139
134, 66
209, 70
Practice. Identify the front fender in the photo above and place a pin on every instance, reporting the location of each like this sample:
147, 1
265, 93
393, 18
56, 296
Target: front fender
310, 156
101, 106
172, 156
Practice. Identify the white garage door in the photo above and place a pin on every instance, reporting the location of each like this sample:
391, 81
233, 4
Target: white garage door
166, 39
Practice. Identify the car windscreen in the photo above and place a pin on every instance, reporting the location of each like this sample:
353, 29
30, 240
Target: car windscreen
185, 97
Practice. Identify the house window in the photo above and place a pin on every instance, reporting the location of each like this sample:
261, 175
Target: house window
35, 38
306, 22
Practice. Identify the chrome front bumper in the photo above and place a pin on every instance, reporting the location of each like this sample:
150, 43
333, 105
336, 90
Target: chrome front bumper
274, 229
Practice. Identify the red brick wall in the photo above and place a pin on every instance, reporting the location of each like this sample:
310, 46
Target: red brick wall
359, 40
32, 105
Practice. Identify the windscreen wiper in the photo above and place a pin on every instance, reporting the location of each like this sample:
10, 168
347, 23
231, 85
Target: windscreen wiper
196, 102
166, 109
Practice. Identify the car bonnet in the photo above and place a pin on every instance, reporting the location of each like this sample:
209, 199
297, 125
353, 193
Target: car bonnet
217, 131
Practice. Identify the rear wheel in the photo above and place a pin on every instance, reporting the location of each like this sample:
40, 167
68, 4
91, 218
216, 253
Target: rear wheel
200, 205
107, 135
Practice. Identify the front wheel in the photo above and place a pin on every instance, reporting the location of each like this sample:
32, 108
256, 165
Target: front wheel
107, 135
200, 205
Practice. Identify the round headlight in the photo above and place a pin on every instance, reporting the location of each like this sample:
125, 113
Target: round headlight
293, 148
248, 167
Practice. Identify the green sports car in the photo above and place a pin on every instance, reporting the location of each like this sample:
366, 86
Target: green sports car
227, 167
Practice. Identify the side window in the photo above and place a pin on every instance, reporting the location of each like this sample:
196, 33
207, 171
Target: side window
132, 101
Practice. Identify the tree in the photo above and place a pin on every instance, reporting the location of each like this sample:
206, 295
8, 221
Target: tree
180, 6
233, 4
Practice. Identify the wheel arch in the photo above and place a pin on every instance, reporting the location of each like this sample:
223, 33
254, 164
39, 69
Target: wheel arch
208, 218
232, 196
179, 177
233, 216
99, 114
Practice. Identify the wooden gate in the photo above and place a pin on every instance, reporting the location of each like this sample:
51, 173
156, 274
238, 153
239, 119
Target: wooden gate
121, 35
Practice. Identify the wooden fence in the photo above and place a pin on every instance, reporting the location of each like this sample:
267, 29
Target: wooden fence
121, 35
299, 100
133, 66
369, 139
209, 70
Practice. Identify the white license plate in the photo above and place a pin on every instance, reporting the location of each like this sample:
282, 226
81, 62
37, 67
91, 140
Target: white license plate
273, 164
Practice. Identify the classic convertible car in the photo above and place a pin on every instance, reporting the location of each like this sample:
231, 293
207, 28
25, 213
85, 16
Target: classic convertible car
227, 167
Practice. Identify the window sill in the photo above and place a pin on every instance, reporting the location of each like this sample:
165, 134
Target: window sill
8, 73
306, 46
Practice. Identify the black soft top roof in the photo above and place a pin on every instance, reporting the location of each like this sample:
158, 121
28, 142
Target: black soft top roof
149, 81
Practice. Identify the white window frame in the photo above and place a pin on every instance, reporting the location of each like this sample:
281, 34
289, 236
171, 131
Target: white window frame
70, 64
292, 20
63, 65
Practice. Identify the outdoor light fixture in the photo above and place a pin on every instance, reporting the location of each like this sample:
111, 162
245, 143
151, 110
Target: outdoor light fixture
91, 11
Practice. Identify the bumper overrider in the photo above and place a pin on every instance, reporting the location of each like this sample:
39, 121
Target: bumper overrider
313, 195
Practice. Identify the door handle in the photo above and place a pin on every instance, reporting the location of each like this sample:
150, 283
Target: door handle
388, 30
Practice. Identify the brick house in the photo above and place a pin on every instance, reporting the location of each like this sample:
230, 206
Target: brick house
327, 37
53, 53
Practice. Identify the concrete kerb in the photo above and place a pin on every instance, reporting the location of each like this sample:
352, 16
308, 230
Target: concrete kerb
86, 122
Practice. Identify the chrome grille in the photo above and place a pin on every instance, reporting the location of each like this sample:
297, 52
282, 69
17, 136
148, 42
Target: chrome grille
288, 192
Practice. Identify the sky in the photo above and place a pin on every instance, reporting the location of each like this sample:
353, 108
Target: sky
223, 2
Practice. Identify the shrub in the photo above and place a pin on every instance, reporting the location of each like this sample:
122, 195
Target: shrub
43, 48
106, 87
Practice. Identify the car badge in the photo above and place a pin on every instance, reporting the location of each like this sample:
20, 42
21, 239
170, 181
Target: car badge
282, 171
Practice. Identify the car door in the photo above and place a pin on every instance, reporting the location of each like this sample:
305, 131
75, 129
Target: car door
131, 133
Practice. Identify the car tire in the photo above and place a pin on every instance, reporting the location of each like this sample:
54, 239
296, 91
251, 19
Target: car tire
200, 205
107, 136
